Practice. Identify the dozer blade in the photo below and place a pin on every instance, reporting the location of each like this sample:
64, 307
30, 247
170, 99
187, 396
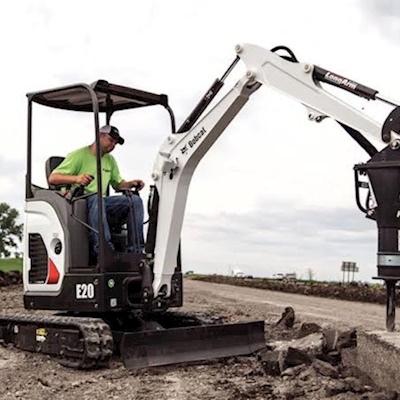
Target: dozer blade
194, 343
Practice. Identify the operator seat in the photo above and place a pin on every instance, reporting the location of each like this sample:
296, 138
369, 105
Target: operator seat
51, 164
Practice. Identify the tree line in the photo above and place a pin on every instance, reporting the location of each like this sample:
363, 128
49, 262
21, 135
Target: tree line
10, 230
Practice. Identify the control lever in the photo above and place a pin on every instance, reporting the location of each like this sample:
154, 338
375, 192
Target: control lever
77, 192
80, 190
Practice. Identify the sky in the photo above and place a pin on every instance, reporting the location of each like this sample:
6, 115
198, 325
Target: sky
275, 194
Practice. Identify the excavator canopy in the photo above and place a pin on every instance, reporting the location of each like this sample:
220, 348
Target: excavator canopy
110, 97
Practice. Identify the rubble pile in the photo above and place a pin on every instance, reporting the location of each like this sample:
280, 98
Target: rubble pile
309, 361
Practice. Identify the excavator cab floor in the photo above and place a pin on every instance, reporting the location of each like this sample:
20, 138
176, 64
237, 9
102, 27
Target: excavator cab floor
149, 348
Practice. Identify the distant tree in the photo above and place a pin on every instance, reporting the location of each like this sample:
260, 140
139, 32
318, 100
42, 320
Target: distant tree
18, 254
10, 230
310, 274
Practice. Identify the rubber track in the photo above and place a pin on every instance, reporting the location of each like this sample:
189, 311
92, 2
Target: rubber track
98, 339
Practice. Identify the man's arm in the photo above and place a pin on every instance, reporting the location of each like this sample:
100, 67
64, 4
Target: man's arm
69, 171
63, 179
124, 185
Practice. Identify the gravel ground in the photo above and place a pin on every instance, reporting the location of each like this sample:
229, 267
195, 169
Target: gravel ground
34, 376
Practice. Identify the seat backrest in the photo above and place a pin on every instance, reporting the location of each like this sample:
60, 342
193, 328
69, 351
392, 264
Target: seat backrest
52, 163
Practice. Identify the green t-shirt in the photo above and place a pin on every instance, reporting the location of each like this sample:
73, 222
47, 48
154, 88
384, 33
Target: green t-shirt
83, 161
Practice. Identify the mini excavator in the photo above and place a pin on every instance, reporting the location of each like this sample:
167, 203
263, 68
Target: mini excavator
122, 303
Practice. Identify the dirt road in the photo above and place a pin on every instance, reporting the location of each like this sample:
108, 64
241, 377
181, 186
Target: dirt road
336, 312
33, 376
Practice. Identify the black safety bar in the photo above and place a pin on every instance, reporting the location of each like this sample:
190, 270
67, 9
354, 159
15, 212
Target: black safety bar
95, 108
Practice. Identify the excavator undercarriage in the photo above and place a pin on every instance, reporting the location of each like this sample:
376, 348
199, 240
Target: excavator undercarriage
167, 338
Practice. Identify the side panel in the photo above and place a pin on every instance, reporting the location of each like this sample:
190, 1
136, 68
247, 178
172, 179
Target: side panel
42, 226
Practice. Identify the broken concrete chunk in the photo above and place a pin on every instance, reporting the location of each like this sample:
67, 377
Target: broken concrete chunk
277, 361
331, 337
347, 339
312, 344
270, 362
287, 318
294, 371
294, 357
338, 340
324, 368
308, 328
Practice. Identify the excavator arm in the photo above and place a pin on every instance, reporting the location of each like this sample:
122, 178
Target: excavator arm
180, 154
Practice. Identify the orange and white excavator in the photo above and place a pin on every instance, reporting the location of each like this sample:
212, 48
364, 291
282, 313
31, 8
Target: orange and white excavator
122, 302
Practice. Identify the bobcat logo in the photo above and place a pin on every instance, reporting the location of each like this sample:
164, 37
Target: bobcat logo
184, 149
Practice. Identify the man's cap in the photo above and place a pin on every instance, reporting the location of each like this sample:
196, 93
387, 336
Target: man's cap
113, 132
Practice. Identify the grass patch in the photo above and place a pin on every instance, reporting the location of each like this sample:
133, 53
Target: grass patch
10, 264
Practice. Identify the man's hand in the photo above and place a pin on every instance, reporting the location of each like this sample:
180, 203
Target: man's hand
84, 179
126, 185
137, 184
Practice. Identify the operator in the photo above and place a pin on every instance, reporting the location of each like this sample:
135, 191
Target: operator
79, 169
